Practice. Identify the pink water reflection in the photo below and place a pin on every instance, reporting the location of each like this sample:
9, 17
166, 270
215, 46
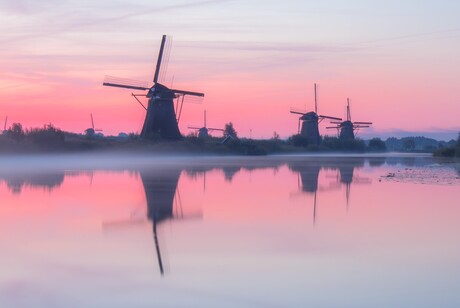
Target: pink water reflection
243, 233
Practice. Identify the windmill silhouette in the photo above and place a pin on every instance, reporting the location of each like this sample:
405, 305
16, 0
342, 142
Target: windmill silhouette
92, 131
309, 121
160, 119
203, 132
4, 127
346, 129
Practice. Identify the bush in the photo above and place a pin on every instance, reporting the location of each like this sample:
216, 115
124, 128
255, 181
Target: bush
46, 136
298, 141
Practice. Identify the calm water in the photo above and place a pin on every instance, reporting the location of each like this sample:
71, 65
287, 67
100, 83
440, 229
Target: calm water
229, 232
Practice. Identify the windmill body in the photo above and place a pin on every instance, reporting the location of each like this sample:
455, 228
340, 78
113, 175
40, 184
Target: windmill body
309, 122
160, 119
347, 131
310, 130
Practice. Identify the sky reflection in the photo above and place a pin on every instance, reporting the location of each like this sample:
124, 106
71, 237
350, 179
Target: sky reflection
270, 232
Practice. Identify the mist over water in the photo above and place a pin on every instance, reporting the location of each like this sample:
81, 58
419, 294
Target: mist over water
279, 231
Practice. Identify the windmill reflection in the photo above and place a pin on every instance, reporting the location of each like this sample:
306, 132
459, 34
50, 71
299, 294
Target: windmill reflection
308, 173
309, 176
160, 190
163, 203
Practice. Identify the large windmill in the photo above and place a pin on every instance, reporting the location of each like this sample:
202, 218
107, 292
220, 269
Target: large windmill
347, 128
160, 119
203, 132
310, 121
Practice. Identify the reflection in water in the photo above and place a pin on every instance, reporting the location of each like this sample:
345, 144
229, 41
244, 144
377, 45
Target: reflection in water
17, 181
160, 189
253, 247
309, 172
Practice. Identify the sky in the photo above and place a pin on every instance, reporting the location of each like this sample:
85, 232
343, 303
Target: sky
397, 61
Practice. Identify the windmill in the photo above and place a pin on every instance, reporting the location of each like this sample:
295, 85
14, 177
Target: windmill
90, 132
347, 128
160, 119
4, 126
310, 121
203, 132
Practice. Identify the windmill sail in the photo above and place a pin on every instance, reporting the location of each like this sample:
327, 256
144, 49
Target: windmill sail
161, 119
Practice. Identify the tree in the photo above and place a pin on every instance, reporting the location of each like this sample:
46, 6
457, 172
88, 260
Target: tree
275, 136
16, 132
229, 130
377, 144
409, 144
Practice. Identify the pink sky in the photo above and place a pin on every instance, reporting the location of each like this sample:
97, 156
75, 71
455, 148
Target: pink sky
254, 60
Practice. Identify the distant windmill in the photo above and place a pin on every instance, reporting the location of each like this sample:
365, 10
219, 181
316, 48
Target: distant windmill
203, 132
310, 121
4, 127
160, 119
92, 131
347, 128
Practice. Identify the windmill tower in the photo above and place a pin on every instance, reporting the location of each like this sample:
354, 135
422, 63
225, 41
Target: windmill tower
90, 132
310, 121
160, 119
203, 132
347, 128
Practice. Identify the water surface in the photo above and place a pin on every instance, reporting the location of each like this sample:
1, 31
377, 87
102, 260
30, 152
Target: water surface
275, 231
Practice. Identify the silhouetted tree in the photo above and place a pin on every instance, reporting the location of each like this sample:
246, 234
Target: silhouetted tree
229, 130
275, 136
377, 144
16, 132
409, 144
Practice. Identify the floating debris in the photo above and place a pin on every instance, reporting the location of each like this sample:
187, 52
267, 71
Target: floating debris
433, 174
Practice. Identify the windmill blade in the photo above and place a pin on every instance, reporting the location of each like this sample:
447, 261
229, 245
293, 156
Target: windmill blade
193, 127
335, 127
334, 122
111, 81
297, 111
160, 58
348, 110
6, 121
361, 126
92, 121
182, 92
328, 117
316, 99
365, 123
216, 129
165, 59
